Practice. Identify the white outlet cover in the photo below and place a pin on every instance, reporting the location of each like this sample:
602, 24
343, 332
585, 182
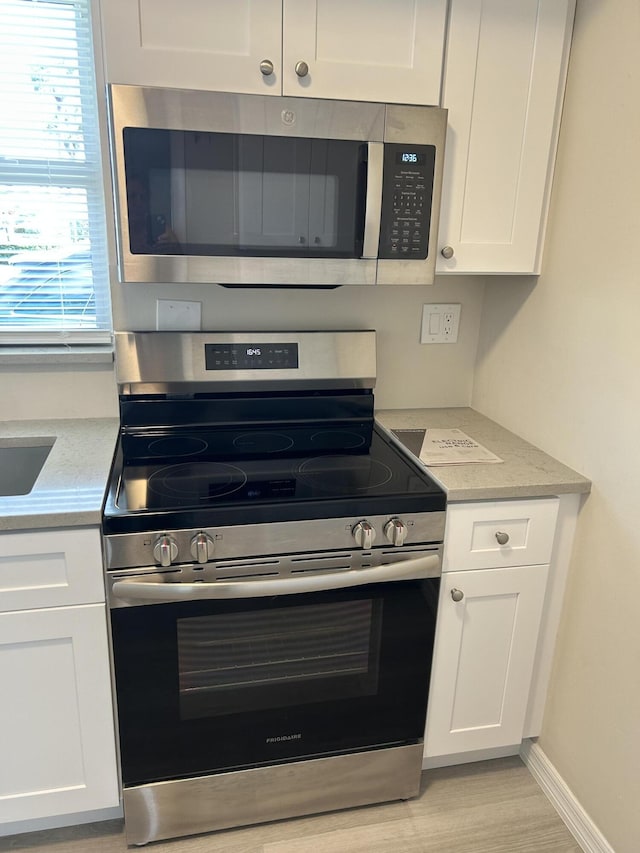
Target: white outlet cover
440, 323
178, 315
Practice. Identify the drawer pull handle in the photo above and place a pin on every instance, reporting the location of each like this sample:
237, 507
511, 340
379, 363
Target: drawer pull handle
457, 594
502, 538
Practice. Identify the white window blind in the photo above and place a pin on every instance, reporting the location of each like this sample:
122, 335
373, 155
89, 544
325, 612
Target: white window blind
54, 282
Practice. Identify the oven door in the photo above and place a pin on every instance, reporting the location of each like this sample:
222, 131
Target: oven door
210, 685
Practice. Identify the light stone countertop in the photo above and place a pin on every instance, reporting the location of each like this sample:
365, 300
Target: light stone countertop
526, 471
70, 488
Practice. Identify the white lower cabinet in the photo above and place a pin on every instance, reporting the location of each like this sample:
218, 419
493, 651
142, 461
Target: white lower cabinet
486, 640
57, 742
497, 560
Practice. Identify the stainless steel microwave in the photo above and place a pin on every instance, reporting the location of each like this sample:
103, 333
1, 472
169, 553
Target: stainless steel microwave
265, 190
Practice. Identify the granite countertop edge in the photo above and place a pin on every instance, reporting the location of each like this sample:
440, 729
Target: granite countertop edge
526, 470
70, 489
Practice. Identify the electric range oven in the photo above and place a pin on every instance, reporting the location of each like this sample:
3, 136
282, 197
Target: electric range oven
273, 562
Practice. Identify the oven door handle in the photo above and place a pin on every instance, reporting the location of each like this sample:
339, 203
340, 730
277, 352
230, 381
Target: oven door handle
416, 569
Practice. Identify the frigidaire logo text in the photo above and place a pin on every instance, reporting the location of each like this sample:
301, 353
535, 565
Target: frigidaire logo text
279, 739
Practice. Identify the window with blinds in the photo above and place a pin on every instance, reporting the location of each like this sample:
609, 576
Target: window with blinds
53, 258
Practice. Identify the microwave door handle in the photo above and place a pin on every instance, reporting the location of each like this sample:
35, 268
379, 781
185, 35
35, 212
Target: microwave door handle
373, 204
416, 569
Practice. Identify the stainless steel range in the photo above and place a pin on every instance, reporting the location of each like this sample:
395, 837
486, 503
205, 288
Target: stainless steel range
273, 564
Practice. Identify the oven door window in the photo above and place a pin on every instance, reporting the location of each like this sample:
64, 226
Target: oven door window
233, 663
200, 193
205, 686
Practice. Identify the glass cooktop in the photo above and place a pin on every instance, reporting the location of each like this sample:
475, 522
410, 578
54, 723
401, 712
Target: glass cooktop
249, 475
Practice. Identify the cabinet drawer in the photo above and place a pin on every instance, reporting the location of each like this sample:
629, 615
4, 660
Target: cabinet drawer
499, 533
50, 568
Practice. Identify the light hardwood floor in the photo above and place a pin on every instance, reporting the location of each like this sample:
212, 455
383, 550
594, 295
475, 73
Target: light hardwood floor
488, 807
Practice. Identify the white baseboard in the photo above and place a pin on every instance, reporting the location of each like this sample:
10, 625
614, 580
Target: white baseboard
562, 798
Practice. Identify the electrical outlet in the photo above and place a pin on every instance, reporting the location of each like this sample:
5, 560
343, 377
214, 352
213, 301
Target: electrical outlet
440, 324
178, 315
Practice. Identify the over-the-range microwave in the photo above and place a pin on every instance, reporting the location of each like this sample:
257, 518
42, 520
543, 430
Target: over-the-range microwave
266, 190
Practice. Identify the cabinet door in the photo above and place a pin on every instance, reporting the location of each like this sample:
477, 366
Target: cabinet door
503, 86
389, 51
50, 568
193, 44
56, 720
483, 658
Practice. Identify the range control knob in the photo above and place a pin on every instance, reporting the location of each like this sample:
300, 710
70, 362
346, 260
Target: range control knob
364, 534
395, 531
165, 550
202, 547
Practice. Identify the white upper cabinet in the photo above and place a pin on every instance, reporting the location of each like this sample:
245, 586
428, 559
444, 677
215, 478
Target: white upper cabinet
193, 44
503, 85
388, 50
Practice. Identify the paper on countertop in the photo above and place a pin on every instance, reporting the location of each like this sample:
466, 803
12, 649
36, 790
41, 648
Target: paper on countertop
453, 447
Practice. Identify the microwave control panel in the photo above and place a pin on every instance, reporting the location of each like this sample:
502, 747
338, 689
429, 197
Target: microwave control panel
407, 190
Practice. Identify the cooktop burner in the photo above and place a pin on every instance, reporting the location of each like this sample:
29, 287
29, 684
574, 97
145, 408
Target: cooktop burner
195, 482
176, 446
263, 442
331, 474
330, 439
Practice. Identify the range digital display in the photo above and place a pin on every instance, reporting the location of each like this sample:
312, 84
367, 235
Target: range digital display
251, 356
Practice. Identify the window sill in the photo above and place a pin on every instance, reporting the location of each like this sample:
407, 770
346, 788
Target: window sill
60, 354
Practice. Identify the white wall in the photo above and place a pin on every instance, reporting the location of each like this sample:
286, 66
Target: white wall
55, 391
559, 363
410, 374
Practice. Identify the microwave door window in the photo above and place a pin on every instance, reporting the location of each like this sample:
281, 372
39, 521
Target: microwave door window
149, 198
200, 193
272, 192
324, 197
207, 198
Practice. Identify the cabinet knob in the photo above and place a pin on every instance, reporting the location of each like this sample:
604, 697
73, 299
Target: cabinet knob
302, 69
502, 538
266, 66
447, 252
457, 594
